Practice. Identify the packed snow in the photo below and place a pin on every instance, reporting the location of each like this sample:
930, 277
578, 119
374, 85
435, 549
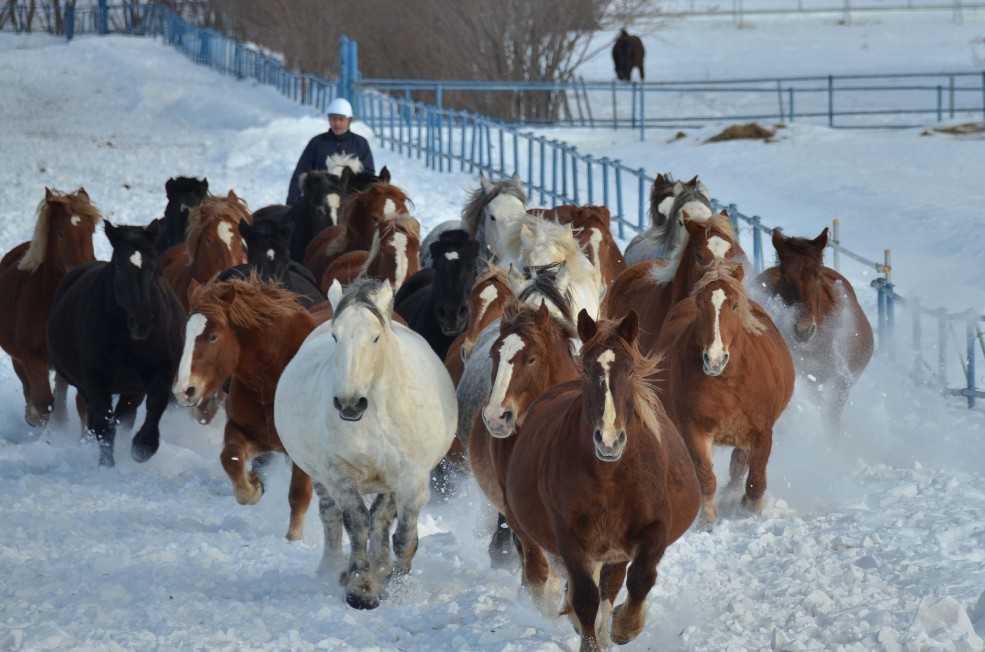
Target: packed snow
875, 540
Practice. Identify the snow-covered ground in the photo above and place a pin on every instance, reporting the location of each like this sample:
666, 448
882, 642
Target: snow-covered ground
875, 541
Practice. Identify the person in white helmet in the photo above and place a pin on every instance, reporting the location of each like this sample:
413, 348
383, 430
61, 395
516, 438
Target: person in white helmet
338, 140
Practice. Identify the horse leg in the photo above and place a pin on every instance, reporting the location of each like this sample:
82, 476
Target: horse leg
583, 592
299, 498
381, 516
362, 586
237, 450
147, 440
610, 582
126, 409
834, 407
700, 445
502, 552
535, 574
101, 425
59, 412
82, 408
40, 400
331, 520
737, 468
630, 617
756, 482
405, 536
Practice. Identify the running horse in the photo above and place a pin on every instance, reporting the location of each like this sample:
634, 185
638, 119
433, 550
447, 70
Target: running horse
394, 256
828, 332
729, 378
29, 276
669, 198
246, 330
599, 480
592, 228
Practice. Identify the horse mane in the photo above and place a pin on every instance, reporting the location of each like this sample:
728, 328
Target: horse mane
664, 275
335, 163
256, 304
78, 204
360, 293
545, 285
724, 271
657, 191
479, 199
491, 272
213, 209
642, 377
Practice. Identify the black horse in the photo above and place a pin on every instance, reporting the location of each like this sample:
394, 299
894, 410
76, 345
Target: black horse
184, 193
321, 203
116, 328
267, 253
628, 53
434, 302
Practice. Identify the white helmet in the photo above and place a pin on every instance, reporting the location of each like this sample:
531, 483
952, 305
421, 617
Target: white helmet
340, 106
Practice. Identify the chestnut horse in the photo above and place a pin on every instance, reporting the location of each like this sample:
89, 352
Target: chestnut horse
247, 330
592, 228
490, 294
212, 244
361, 213
653, 287
730, 376
532, 353
29, 275
394, 255
600, 479
829, 334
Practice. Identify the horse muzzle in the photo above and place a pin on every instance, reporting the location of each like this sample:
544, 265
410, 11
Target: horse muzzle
351, 408
499, 426
714, 367
805, 335
606, 452
187, 396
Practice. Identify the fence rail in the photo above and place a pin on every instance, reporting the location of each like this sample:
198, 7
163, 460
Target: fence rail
552, 170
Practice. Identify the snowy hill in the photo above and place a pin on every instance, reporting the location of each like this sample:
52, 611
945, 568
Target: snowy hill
872, 542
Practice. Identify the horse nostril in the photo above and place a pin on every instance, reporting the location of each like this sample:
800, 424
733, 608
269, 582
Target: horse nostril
463, 311
508, 416
337, 403
622, 438
705, 358
598, 437
189, 392
725, 359
362, 403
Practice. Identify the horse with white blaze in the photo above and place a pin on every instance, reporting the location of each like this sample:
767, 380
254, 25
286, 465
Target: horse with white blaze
366, 407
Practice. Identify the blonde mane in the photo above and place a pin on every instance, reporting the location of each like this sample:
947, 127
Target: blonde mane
723, 271
717, 222
78, 204
255, 304
209, 213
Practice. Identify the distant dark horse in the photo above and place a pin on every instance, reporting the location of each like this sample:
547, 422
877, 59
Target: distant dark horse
184, 194
116, 328
628, 53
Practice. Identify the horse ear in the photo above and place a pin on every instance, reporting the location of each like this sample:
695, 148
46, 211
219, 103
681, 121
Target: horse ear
205, 184
629, 327
110, 231
244, 228
232, 195
693, 182
385, 175
516, 180
821, 241
586, 326
334, 294
543, 314
383, 299
48, 194
153, 229
486, 184
82, 191
194, 288
169, 187
777, 239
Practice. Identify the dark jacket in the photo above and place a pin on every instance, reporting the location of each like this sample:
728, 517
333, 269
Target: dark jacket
320, 148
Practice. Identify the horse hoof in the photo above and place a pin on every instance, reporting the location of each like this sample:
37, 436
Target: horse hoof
35, 418
361, 602
141, 452
754, 506
625, 627
106, 459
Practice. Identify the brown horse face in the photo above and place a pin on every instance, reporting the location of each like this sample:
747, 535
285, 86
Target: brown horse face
520, 372
485, 304
801, 286
606, 386
711, 243
717, 324
209, 357
71, 233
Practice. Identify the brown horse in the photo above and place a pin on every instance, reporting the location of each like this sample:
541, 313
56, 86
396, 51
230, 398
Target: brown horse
653, 287
29, 275
830, 336
393, 256
730, 376
532, 354
600, 478
628, 53
490, 294
212, 244
592, 227
360, 215
247, 330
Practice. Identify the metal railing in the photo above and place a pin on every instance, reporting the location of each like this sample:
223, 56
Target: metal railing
850, 101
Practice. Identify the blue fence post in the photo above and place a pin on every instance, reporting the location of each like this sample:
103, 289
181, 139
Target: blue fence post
543, 167
69, 22
891, 318
757, 244
102, 16
633, 104
530, 166
461, 168
733, 216
564, 170
554, 148
880, 285
590, 170
970, 332
641, 200
790, 102
516, 151
831, 101
617, 164
605, 181
502, 151
642, 112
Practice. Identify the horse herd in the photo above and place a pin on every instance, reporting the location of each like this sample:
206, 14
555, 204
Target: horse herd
584, 391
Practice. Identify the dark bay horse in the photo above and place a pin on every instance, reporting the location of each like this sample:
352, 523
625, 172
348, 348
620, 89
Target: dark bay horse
653, 287
29, 276
829, 334
116, 328
729, 378
628, 53
669, 199
247, 330
600, 479
184, 194
321, 201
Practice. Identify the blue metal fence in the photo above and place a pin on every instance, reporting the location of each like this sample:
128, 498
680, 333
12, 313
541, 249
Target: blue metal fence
553, 171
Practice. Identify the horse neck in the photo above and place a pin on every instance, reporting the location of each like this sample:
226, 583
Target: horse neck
264, 353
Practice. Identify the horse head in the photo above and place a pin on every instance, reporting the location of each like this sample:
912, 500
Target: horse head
268, 246
723, 315
323, 193
455, 257
801, 282
136, 271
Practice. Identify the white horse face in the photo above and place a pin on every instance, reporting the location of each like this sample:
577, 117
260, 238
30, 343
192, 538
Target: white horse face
539, 248
498, 215
359, 344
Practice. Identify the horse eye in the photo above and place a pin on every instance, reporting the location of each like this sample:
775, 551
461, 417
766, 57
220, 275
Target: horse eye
492, 218
213, 338
531, 360
376, 339
735, 306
